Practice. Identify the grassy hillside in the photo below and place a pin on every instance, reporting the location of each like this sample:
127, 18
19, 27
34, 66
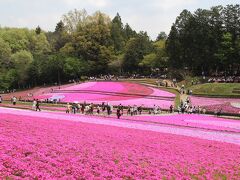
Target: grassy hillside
217, 89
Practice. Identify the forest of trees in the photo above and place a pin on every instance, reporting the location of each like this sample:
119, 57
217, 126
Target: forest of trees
90, 45
206, 41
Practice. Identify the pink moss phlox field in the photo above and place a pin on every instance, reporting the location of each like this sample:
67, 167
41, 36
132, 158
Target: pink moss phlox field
215, 104
225, 108
192, 120
188, 120
114, 87
40, 148
204, 101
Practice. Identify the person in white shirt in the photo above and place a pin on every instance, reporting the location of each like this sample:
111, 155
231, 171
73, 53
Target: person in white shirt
14, 100
34, 104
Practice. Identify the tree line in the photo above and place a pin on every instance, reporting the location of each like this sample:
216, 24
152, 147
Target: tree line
206, 41
90, 45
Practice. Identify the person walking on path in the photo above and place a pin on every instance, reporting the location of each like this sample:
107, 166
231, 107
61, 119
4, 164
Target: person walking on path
118, 113
128, 110
171, 108
74, 108
69, 108
98, 109
34, 104
0, 99
140, 109
38, 106
108, 110
82, 108
120, 106
131, 110
14, 100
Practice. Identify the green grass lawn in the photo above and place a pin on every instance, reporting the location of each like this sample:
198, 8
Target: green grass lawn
217, 89
147, 81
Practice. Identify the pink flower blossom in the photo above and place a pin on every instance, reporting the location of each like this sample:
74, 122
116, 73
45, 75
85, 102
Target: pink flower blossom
113, 92
45, 147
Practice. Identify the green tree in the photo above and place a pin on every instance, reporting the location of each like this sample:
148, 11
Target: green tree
38, 30
174, 48
75, 68
55, 67
22, 61
75, 19
5, 53
129, 33
225, 52
92, 42
38, 44
117, 34
157, 59
16, 38
161, 36
136, 49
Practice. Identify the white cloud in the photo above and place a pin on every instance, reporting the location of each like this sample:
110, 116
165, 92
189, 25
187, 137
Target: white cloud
46, 22
99, 3
169, 4
86, 3
152, 16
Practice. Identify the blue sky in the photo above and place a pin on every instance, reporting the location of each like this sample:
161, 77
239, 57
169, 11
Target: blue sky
152, 16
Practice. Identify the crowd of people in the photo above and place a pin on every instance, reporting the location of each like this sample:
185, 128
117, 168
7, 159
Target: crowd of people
111, 77
224, 79
107, 109
8, 91
187, 107
104, 78
89, 109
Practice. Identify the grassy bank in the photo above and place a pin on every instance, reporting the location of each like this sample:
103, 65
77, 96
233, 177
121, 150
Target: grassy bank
231, 90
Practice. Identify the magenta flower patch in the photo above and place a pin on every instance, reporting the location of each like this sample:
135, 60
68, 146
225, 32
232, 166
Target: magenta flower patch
226, 105
114, 92
33, 146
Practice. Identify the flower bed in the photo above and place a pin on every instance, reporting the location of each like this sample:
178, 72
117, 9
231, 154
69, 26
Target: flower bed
203, 101
113, 92
193, 121
183, 120
42, 148
225, 108
215, 104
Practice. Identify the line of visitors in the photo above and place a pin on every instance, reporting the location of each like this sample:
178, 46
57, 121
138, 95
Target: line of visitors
105, 109
186, 107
